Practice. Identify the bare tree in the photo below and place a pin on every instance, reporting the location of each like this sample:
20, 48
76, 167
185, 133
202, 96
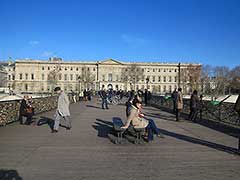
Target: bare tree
3, 76
53, 76
234, 83
206, 75
86, 77
220, 80
190, 78
131, 75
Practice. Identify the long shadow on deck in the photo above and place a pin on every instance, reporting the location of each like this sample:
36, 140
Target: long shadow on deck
45, 120
217, 126
103, 127
9, 175
193, 140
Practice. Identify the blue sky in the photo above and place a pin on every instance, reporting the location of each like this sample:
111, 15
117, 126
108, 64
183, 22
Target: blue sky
200, 31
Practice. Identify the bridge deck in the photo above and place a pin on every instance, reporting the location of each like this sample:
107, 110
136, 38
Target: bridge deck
188, 151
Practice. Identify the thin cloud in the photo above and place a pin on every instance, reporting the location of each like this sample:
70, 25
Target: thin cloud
47, 53
32, 43
132, 41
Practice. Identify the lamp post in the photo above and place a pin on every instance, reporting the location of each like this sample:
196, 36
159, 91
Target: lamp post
97, 83
179, 74
79, 80
147, 81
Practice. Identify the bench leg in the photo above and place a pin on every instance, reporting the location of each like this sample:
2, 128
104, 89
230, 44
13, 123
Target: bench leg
119, 138
139, 138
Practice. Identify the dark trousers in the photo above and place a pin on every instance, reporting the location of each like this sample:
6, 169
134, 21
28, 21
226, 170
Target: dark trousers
28, 116
151, 129
104, 103
178, 114
193, 114
174, 106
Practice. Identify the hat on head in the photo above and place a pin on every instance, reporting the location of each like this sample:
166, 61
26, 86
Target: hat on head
57, 89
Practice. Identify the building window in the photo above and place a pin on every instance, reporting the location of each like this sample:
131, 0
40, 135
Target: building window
42, 76
153, 70
175, 70
142, 70
170, 70
65, 77
103, 77
9, 77
20, 76
170, 79
143, 78
159, 88
110, 77
77, 69
65, 68
159, 78
164, 79
71, 69
164, 88
153, 78
26, 87
60, 77
93, 69
164, 70
43, 68
32, 76
88, 69
71, 77
159, 70
48, 68
13, 77
170, 88
26, 76
117, 78
175, 79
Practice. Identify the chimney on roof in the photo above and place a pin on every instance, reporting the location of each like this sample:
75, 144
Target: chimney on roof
55, 59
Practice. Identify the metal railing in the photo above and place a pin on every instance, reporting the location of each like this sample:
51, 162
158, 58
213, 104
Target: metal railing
211, 111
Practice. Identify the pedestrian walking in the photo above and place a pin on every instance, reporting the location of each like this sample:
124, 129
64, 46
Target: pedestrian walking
104, 96
73, 94
62, 112
179, 104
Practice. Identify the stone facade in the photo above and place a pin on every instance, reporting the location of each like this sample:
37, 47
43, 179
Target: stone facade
42, 76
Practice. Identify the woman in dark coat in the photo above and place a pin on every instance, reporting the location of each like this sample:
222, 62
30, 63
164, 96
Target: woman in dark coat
26, 110
194, 105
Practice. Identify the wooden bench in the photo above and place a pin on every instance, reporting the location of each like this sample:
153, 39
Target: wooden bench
138, 132
117, 124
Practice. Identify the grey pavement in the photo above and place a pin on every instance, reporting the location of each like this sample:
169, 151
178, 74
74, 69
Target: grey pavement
188, 151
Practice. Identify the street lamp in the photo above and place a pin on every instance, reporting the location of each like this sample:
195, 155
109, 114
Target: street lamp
97, 82
79, 80
179, 74
147, 81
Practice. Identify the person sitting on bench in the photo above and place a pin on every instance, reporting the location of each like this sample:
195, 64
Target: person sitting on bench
139, 122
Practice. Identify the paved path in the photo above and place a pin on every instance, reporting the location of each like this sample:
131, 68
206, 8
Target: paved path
188, 151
